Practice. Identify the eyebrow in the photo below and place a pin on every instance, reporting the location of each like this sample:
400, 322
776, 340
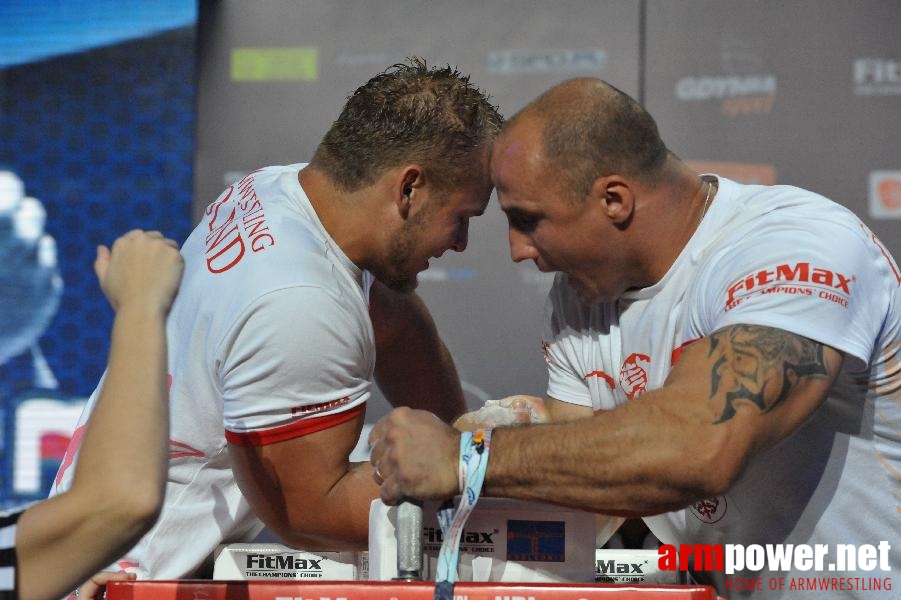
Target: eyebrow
515, 211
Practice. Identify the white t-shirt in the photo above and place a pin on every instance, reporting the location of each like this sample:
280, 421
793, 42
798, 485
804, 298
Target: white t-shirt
269, 339
781, 257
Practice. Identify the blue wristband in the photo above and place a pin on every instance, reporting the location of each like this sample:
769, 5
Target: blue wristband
474, 449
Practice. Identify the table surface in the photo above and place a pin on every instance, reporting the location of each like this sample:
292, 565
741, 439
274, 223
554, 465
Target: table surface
394, 590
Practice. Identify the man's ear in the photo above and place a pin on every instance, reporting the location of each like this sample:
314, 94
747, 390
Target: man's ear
616, 196
410, 181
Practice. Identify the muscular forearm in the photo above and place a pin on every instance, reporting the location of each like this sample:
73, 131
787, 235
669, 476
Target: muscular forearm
422, 375
743, 389
616, 462
414, 368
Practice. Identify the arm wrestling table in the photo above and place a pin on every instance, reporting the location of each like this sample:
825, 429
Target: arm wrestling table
394, 590
409, 563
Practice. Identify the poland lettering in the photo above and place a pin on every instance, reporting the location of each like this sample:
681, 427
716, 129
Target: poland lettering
236, 224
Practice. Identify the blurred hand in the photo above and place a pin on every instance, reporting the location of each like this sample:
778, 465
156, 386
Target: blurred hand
142, 269
94, 589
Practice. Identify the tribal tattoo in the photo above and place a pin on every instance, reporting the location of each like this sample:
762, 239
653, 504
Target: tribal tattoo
760, 365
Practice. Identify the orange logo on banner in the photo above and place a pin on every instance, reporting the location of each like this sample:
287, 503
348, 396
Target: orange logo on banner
750, 173
889, 193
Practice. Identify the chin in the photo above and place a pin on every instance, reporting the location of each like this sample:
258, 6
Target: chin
588, 294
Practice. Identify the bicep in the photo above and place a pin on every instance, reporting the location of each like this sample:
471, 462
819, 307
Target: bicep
295, 377
755, 384
289, 484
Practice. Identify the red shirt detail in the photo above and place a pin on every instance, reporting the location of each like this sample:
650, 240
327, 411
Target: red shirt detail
674, 357
292, 430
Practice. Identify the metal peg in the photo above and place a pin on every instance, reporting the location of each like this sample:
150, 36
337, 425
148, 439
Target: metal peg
408, 533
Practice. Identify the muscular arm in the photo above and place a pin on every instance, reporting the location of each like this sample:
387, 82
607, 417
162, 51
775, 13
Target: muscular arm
413, 366
307, 491
120, 477
731, 395
312, 348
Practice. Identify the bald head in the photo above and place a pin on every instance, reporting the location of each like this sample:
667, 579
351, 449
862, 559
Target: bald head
590, 129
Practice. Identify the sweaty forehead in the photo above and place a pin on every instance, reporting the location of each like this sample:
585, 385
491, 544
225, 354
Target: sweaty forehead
481, 178
516, 160
472, 198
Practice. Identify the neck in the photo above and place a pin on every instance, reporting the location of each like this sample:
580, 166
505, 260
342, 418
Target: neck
341, 214
675, 211
710, 184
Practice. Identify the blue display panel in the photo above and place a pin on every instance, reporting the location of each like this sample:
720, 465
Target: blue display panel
97, 118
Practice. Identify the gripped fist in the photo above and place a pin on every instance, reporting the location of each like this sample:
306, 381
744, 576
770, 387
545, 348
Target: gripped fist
415, 455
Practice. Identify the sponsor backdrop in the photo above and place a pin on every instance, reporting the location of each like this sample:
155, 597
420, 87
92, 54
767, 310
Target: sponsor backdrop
803, 92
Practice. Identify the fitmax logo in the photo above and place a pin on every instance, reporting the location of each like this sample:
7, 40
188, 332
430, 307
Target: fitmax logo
611, 567
434, 536
282, 562
797, 273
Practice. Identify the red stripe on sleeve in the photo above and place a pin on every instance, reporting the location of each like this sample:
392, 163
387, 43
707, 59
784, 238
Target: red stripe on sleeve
677, 353
292, 430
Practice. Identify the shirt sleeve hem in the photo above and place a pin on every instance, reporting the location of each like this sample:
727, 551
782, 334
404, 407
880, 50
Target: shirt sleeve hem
292, 430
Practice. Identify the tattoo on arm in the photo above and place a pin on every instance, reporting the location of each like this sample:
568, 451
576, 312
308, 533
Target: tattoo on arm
760, 365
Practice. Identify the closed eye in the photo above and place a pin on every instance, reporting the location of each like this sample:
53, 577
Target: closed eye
521, 222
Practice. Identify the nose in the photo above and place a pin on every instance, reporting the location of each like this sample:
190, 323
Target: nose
520, 247
462, 238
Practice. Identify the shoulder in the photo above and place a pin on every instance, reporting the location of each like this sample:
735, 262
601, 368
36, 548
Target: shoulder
755, 225
291, 310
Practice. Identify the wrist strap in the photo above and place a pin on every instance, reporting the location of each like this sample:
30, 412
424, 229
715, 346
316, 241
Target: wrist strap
474, 449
